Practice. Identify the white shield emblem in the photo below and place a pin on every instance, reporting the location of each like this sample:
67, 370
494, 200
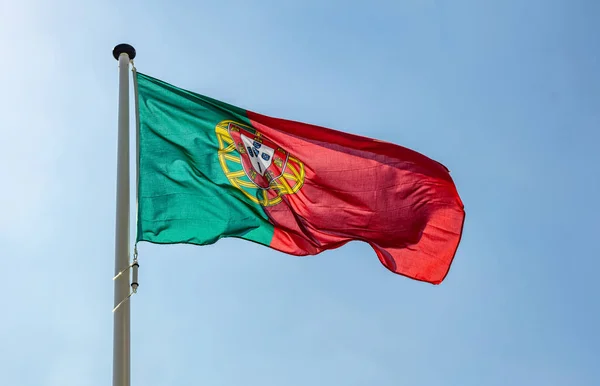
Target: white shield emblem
261, 156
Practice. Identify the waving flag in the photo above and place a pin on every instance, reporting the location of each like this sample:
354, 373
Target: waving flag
209, 170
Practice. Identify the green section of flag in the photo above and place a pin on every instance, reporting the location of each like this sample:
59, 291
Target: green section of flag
184, 195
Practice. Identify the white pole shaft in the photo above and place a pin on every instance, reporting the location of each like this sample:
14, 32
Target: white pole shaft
121, 329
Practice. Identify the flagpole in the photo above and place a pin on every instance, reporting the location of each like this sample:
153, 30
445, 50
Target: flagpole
121, 316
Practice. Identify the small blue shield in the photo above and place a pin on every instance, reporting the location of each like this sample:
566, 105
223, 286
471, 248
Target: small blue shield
252, 152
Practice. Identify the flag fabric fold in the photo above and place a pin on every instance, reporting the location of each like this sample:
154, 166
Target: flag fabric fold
209, 170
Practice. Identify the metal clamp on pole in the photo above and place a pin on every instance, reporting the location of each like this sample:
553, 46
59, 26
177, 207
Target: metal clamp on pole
134, 280
134, 272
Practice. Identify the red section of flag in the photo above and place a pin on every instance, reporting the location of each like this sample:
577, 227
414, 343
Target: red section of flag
402, 203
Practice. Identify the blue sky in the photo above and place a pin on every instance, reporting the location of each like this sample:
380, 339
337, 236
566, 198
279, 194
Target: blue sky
504, 93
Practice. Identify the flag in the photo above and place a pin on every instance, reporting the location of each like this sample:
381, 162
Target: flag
209, 170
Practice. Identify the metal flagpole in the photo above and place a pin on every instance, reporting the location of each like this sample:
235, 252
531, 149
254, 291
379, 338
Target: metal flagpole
121, 351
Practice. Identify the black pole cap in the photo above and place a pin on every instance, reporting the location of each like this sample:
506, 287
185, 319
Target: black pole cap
123, 48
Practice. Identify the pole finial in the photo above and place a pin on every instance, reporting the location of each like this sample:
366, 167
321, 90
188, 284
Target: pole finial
124, 48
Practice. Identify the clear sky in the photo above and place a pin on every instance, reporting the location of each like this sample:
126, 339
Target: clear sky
504, 93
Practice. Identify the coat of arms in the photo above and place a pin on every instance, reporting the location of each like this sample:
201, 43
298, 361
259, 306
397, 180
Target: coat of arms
257, 166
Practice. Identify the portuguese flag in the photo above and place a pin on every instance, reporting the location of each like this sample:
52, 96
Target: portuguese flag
209, 170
